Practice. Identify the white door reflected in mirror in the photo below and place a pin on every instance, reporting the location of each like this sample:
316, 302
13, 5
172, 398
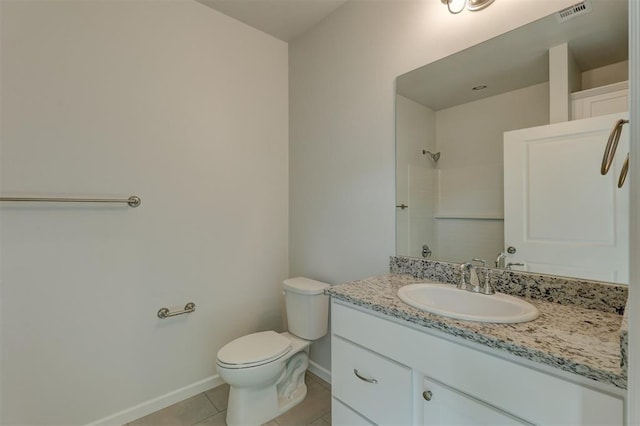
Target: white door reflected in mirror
559, 227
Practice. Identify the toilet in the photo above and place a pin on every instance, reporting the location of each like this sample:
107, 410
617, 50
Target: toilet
265, 371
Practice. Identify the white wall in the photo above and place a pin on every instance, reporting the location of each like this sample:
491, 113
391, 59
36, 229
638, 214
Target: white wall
342, 165
470, 184
173, 102
470, 137
602, 76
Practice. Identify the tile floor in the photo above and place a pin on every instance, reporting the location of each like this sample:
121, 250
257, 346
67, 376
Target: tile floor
209, 408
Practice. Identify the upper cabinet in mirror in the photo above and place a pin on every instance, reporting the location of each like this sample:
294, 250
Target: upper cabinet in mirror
499, 146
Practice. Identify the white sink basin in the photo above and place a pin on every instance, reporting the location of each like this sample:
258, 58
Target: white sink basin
449, 301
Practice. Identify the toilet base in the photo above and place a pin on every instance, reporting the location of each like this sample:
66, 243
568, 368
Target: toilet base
251, 406
285, 404
263, 407
256, 407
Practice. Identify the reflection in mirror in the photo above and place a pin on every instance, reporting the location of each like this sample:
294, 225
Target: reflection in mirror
474, 183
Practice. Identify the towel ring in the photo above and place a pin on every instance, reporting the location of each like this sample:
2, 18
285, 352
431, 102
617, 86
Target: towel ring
623, 172
612, 145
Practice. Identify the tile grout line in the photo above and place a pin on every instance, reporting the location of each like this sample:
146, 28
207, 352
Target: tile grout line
214, 405
207, 418
316, 419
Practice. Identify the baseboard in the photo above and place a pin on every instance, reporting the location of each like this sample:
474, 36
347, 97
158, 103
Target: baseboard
163, 401
320, 371
155, 404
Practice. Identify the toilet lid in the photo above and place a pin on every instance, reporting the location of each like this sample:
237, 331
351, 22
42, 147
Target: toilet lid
256, 348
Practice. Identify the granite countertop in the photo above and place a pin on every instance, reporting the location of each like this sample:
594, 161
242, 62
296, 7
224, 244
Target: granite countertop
569, 337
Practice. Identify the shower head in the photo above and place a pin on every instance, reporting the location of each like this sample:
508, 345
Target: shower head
435, 157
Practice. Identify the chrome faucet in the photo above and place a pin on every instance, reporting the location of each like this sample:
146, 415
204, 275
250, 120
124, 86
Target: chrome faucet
501, 260
473, 282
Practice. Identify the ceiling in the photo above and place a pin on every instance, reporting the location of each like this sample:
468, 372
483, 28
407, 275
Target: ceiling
520, 58
284, 19
511, 61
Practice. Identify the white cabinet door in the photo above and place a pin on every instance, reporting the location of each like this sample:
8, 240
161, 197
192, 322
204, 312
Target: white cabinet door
341, 415
445, 406
562, 216
600, 104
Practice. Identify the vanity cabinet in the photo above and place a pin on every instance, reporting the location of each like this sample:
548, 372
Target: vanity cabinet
387, 372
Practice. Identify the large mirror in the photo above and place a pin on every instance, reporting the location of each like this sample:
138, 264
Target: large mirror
454, 117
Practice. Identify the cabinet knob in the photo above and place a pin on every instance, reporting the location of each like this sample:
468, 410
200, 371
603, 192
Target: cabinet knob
427, 395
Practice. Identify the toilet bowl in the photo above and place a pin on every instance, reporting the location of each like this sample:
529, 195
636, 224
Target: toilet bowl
263, 389
265, 370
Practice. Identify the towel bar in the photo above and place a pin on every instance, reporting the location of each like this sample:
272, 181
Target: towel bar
133, 201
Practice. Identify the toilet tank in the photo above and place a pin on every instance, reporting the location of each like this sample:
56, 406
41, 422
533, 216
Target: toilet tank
307, 307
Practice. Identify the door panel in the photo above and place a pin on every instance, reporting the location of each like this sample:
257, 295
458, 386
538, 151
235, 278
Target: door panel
561, 214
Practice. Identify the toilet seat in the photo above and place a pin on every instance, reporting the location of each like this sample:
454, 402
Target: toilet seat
253, 350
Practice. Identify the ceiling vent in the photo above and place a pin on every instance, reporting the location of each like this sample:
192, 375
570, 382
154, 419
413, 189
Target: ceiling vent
573, 11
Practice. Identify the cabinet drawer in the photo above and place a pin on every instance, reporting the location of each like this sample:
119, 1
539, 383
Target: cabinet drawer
446, 406
341, 415
375, 386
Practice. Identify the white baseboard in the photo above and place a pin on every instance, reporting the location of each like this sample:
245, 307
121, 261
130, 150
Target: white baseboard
320, 371
163, 401
155, 404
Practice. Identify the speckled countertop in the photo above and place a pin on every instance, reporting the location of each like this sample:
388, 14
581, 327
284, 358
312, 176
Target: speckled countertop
572, 338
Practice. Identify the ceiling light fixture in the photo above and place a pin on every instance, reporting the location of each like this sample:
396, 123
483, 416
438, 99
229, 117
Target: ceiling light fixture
472, 5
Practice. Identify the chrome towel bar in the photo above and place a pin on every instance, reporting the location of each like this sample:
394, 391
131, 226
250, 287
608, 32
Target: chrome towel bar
133, 201
165, 313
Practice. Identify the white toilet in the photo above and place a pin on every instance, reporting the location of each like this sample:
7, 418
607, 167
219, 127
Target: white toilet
265, 370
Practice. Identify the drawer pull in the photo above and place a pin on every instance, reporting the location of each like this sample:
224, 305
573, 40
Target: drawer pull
364, 379
427, 395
